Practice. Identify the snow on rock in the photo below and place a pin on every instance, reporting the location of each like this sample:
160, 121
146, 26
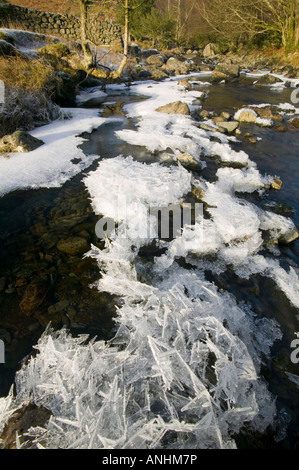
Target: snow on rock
58, 160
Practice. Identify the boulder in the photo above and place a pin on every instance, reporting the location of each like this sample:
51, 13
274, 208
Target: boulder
267, 80
156, 60
218, 76
19, 141
245, 115
156, 73
230, 70
176, 66
144, 54
176, 107
210, 51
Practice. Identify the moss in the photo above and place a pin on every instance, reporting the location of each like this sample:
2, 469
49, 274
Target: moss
58, 50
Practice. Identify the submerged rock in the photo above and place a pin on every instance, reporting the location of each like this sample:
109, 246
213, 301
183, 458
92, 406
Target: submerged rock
177, 107
73, 246
34, 296
19, 423
19, 141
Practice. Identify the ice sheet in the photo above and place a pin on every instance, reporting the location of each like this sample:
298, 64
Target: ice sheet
51, 164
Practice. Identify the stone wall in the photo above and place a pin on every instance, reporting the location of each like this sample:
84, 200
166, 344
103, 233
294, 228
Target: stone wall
101, 33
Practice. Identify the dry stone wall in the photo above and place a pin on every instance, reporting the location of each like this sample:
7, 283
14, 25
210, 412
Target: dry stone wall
101, 33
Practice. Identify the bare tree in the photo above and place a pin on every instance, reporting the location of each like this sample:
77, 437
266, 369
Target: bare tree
85, 44
234, 18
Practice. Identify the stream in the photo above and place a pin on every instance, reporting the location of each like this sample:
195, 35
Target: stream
44, 235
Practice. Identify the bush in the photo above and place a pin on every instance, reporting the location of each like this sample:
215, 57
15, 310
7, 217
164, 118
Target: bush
25, 111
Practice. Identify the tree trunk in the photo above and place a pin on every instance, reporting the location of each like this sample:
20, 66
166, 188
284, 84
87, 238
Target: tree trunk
117, 73
85, 46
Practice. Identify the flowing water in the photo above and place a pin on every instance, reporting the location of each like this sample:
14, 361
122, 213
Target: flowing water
34, 221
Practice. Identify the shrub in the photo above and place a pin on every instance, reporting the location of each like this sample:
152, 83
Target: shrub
25, 111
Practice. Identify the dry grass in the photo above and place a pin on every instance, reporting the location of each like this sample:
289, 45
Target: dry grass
53, 6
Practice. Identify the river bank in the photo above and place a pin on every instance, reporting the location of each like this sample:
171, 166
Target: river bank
193, 335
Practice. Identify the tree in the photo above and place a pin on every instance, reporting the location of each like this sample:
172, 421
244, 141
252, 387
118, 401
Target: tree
252, 18
85, 44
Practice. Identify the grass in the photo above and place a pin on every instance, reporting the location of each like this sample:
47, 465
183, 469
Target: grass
35, 88
53, 6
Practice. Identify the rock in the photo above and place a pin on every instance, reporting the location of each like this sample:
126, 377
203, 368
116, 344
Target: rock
252, 140
189, 162
277, 117
176, 66
217, 119
58, 50
267, 80
245, 115
19, 141
156, 60
73, 246
225, 115
208, 128
276, 184
263, 113
2, 283
198, 193
295, 122
148, 52
184, 82
155, 73
204, 114
20, 421
177, 107
229, 126
210, 51
289, 237
218, 76
34, 296
58, 307
7, 49
281, 128
230, 70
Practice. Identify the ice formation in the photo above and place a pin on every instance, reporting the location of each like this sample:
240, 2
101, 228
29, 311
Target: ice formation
183, 369
58, 160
